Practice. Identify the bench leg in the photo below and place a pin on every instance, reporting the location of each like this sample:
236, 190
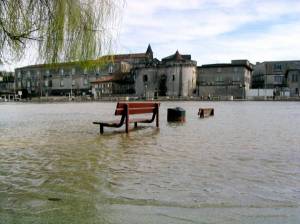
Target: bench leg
101, 129
127, 125
127, 118
135, 124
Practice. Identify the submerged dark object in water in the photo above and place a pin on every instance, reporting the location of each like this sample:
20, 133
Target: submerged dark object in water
176, 114
206, 112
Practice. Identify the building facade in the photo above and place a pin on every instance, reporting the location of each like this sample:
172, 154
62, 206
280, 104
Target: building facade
7, 85
224, 80
173, 76
75, 78
56, 79
292, 77
272, 74
120, 80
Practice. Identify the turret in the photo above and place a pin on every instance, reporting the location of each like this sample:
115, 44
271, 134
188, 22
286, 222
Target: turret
149, 51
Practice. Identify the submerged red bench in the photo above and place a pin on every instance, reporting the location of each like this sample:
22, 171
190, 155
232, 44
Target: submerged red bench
125, 109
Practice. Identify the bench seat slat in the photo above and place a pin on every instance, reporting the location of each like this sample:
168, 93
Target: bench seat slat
140, 120
140, 110
136, 104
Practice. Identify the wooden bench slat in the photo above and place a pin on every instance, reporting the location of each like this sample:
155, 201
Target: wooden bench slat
140, 110
136, 104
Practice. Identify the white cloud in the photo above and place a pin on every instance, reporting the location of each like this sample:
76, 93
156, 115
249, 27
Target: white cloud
211, 30
201, 27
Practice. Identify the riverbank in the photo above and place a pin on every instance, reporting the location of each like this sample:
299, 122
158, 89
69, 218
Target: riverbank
65, 99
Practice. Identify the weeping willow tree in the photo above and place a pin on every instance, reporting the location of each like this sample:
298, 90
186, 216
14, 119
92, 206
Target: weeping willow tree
61, 30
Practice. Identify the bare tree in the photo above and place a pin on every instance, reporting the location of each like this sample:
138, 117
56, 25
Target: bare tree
63, 30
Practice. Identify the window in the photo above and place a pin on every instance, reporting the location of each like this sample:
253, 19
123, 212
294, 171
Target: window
28, 74
236, 78
219, 70
28, 84
173, 78
235, 69
145, 78
46, 83
278, 78
61, 83
277, 67
219, 79
47, 73
19, 74
85, 82
73, 82
110, 69
73, 71
61, 72
85, 71
294, 78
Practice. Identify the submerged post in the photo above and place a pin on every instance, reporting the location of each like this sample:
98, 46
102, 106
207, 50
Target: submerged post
176, 114
157, 114
206, 112
127, 118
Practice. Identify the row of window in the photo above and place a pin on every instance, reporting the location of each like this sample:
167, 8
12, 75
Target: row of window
104, 85
235, 78
48, 83
62, 72
278, 79
85, 82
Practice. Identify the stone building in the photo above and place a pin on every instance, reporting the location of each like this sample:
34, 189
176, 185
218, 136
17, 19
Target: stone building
137, 74
173, 76
271, 74
7, 86
113, 85
120, 80
147, 77
75, 78
292, 77
224, 80
55, 79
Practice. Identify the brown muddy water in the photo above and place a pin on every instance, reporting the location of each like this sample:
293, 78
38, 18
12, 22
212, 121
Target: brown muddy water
240, 166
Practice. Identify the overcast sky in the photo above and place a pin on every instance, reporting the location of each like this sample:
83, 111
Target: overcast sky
213, 31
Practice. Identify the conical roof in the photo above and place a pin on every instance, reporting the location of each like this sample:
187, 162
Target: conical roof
149, 50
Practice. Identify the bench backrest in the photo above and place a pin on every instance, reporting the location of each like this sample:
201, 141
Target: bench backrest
136, 108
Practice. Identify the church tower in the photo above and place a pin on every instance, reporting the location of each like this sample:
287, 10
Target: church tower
149, 52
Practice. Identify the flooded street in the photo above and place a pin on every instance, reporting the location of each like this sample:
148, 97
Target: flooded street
240, 166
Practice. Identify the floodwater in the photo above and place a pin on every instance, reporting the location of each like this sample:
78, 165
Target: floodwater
240, 166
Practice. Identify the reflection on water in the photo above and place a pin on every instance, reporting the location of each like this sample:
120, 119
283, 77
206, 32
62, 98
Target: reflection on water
242, 165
